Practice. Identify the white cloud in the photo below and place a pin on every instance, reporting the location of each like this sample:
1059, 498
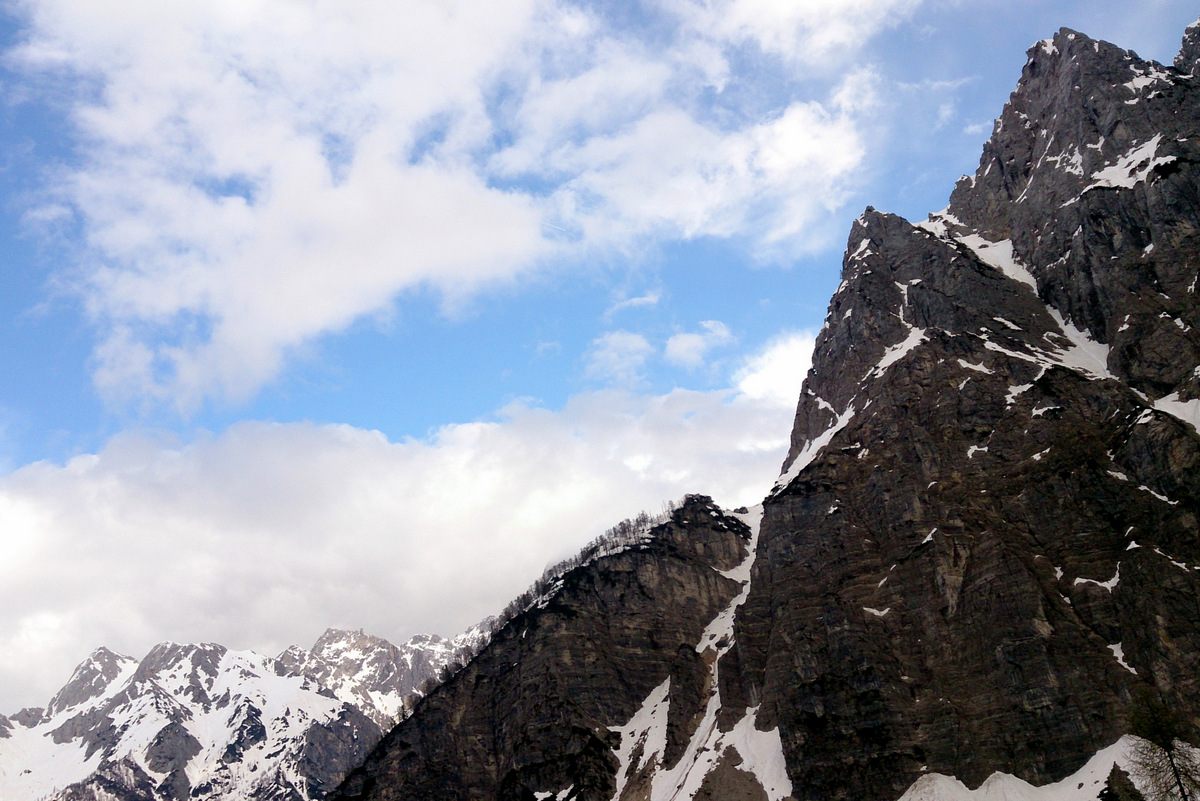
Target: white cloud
641, 301
263, 535
253, 176
618, 357
809, 31
689, 350
777, 373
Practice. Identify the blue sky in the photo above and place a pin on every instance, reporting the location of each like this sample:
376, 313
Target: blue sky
359, 313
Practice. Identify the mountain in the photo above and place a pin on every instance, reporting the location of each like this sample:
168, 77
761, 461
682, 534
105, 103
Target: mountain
984, 538
997, 450
555, 700
373, 675
204, 722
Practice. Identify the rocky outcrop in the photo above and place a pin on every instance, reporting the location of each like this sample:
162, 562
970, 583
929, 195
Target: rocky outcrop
986, 532
535, 712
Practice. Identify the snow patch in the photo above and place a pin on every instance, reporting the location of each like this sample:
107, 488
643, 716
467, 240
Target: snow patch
814, 446
1083, 785
1188, 411
1132, 168
1158, 495
979, 368
999, 255
898, 351
1119, 654
1108, 585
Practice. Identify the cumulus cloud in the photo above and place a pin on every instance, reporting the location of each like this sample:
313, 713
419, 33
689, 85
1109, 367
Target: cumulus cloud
690, 349
263, 535
618, 357
808, 31
252, 176
776, 374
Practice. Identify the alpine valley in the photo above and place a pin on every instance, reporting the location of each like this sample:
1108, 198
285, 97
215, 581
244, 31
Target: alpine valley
984, 541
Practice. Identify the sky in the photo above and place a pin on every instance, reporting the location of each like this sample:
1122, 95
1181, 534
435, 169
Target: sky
358, 313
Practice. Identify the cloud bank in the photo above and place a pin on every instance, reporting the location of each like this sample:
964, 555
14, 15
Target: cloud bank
252, 176
264, 535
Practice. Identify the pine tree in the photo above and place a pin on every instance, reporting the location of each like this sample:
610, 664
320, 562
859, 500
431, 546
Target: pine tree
1119, 787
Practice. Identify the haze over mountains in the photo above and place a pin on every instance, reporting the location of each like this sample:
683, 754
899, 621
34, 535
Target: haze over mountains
985, 538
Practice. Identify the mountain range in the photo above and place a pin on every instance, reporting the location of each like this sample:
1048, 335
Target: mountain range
984, 542
204, 722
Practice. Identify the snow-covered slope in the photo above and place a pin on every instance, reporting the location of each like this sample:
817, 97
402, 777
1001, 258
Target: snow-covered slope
204, 722
375, 676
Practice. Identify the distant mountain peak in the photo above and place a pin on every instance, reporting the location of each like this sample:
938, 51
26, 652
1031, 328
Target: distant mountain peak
199, 721
90, 679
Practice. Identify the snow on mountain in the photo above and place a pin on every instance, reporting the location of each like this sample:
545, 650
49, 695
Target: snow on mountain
204, 722
375, 676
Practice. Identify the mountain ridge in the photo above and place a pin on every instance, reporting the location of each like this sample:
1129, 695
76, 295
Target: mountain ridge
984, 538
993, 485
202, 721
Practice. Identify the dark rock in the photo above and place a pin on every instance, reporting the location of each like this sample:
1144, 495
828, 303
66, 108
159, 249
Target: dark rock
1189, 54
979, 522
532, 712
28, 717
170, 752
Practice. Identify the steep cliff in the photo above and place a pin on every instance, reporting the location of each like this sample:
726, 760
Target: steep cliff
986, 531
536, 711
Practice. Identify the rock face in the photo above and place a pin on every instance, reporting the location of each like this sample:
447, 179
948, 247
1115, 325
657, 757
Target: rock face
203, 722
537, 711
986, 531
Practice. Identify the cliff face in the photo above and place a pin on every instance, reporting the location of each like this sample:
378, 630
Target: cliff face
537, 710
986, 532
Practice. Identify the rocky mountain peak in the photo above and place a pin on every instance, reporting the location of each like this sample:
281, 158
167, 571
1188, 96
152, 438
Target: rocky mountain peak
349, 648
994, 449
1189, 54
1088, 174
90, 680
